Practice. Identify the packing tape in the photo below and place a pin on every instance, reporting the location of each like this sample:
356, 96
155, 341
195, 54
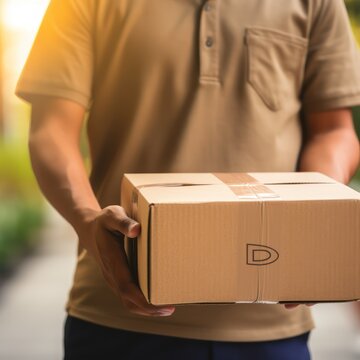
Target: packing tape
245, 186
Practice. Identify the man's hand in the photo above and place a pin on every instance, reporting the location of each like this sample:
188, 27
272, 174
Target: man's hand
292, 306
58, 166
102, 235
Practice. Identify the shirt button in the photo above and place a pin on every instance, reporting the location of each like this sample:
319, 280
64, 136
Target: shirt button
209, 42
207, 7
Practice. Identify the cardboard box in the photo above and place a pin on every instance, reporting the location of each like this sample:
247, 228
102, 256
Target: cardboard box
257, 237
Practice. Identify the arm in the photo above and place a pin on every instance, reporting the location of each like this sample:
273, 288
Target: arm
58, 166
331, 146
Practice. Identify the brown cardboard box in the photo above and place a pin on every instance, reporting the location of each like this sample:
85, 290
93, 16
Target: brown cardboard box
257, 237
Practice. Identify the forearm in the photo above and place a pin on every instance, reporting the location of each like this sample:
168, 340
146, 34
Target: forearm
56, 159
58, 166
334, 152
62, 178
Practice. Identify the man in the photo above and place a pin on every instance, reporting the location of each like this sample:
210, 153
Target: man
182, 86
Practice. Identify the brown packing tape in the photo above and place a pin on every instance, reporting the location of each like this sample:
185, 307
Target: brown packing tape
257, 191
244, 185
236, 178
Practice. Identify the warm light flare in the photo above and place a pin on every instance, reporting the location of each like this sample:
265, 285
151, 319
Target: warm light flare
23, 14
19, 23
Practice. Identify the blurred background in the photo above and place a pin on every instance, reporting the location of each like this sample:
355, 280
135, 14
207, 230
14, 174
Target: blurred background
38, 249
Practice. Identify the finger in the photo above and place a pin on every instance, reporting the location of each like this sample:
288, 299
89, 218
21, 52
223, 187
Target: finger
115, 219
131, 292
133, 308
115, 265
134, 295
112, 255
291, 306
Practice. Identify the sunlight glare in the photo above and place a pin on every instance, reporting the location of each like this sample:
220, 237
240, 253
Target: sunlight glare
23, 14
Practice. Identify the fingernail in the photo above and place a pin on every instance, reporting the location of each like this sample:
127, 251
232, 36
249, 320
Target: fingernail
164, 313
133, 228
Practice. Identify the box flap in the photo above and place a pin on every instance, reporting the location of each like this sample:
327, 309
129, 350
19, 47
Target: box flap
188, 194
206, 188
292, 178
317, 191
198, 188
172, 179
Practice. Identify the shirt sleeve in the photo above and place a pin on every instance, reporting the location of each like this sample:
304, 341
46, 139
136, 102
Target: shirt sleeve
332, 71
60, 63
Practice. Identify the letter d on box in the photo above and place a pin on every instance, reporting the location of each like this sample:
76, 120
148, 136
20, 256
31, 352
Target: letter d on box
260, 254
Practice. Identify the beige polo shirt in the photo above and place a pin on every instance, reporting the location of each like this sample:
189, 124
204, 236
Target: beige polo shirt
192, 86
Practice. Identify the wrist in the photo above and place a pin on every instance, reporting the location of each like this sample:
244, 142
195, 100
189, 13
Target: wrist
82, 224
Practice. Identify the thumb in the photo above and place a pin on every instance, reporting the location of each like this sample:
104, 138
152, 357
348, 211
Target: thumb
115, 219
133, 229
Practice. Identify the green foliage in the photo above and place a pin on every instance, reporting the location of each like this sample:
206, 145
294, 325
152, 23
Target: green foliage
356, 115
16, 176
21, 205
18, 220
353, 7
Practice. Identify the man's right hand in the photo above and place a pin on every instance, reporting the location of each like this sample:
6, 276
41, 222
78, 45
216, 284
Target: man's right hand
103, 236
54, 138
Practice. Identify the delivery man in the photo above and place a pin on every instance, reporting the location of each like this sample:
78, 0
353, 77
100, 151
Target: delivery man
182, 86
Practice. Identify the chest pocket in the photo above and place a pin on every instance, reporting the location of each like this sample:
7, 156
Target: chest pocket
275, 65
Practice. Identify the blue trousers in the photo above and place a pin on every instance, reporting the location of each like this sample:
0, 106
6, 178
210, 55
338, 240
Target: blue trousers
84, 340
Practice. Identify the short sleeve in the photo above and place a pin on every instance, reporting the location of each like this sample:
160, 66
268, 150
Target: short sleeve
332, 71
61, 60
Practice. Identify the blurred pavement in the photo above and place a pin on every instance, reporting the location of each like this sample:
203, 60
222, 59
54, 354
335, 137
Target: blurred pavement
32, 306
32, 301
